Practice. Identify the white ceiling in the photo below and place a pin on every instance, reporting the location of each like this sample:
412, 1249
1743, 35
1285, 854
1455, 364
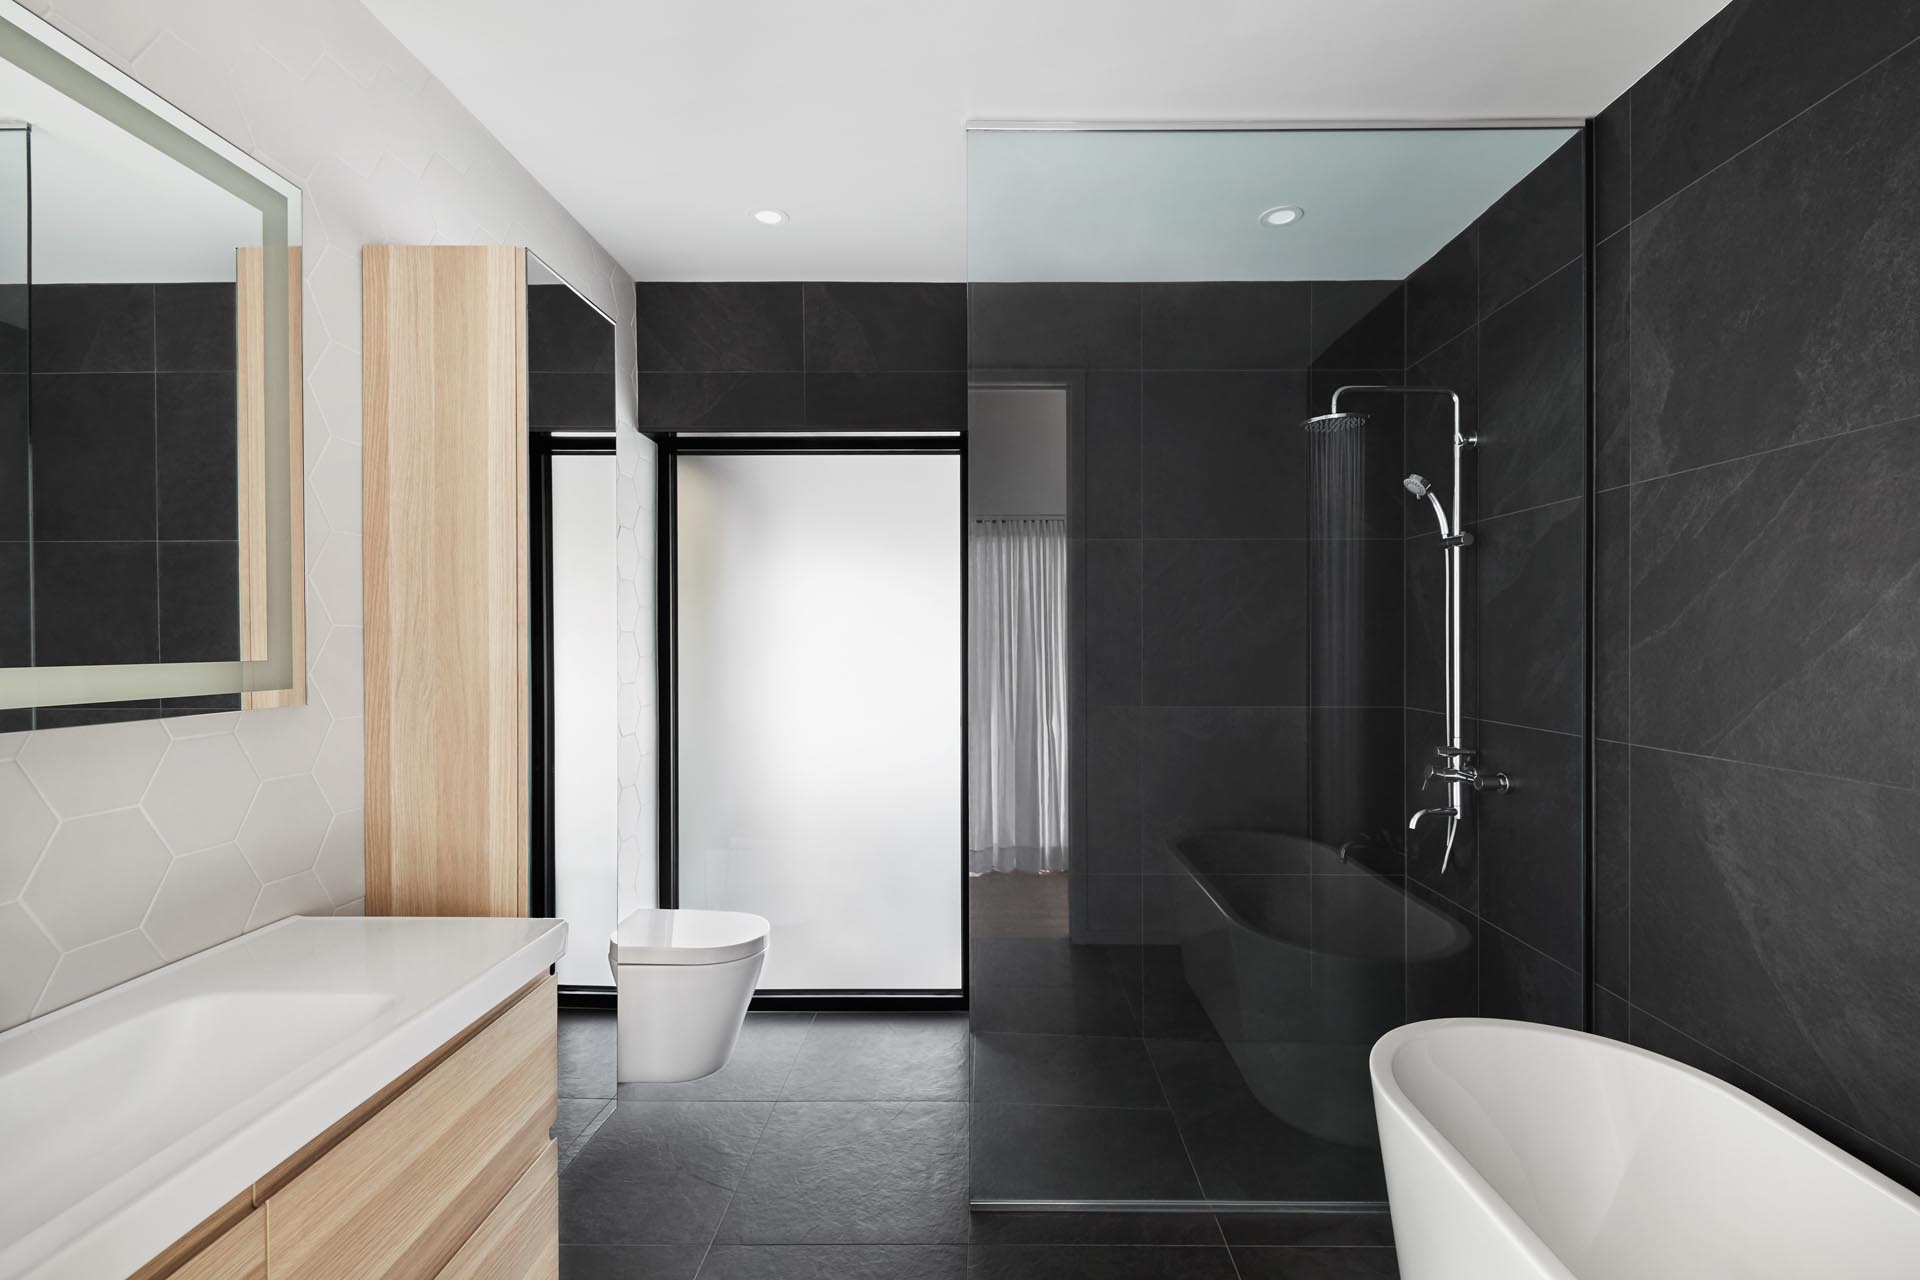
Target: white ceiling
662, 124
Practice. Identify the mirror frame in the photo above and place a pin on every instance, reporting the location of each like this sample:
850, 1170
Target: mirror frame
271, 605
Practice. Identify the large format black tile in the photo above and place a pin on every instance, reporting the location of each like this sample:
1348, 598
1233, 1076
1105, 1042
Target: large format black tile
1612, 167
1518, 982
93, 456
1823, 296
1772, 919
1074, 1153
16, 476
1355, 622
887, 401
1053, 326
13, 328
1443, 295
1612, 867
1750, 69
95, 603
1212, 769
1533, 397
1359, 324
855, 1173
1328, 1228
1224, 623
1358, 756
1112, 445
16, 605
1424, 623
685, 401
1223, 455
572, 1118
757, 1072
560, 401
1093, 1003
1111, 845
1315, 1264
658, 1172
1068, 1071
1769, 593
869, 328
195, 415
194, 327
1225, 325
868, 1057
1532, 881
836, 1262
1113, 623
1532, 593
92, 328
1110, 1262
1536, 228
1612, 635
1096, 1228
1612, 364
588, 1053
724, 327
566, 334
199, 601
630, 1261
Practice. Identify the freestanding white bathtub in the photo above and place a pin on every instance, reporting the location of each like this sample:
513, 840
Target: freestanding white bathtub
1522, 1152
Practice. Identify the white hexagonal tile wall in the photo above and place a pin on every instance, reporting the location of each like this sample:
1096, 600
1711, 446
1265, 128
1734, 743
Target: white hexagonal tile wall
200, 793
97, 966
25, 824
337, 575
96, 767
341, 769
283, 830
339, 671
342, 864
336, 483
205, 898
96, 877
27, 957
299, 895
283, 741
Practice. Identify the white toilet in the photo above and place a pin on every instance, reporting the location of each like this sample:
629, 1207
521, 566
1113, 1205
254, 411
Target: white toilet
683, 980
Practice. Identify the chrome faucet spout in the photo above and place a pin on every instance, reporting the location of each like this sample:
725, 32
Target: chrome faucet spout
1413, 823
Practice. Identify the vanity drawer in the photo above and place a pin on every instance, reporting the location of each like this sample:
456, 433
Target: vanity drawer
399, 1195
239, 1254
520, 1240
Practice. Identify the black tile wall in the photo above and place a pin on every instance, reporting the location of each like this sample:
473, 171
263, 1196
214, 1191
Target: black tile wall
794, 356
570, 361
1758, 774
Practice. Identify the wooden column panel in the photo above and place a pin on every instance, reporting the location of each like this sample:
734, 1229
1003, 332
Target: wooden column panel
445, 554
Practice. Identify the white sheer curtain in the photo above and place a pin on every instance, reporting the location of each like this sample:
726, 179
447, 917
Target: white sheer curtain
1017, 694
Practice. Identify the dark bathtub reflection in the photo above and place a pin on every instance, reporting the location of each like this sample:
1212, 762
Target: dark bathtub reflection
1301, 958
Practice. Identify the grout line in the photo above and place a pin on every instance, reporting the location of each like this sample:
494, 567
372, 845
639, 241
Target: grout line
1841, 434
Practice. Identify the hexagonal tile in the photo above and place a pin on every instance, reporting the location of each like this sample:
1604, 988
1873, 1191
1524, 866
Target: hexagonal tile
96, 767
27, 957
282, 833
200, 793
10, 744
341, 769
205, 898
337, 576
299, 895
336, 385
339, 671
201, 726
333, 282
342, 866
358, 907
285, 740
97, 877
336, 484
97, 966
24, 832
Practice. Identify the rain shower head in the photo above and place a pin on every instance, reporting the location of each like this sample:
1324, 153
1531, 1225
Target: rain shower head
1336, 422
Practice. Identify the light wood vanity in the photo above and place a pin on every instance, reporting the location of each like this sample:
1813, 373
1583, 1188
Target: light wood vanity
448, 1172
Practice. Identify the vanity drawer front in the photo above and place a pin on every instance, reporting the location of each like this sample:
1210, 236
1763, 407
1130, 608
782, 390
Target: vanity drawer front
520, 1240
399, 1195
239, 1254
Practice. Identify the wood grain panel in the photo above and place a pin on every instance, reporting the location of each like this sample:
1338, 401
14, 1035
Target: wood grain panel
401, 1194
217, 1224
240, 1254
445, 554
520, 1240
250, 293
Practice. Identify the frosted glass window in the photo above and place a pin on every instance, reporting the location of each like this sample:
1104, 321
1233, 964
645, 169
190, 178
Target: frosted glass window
819, 711
586, 734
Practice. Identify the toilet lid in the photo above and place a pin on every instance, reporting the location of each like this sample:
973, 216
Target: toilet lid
688, 937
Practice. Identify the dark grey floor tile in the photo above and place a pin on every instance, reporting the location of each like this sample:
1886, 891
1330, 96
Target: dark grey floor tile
882, 1057
630, 1261
1315, 1264
1096, 1228
1332, 1227
1078, 1153
574, 1121
768, 1044
1110, 1262
1075, 1071
1094, 1002
658, 1172
855, 1173
835, 1262
587, 1053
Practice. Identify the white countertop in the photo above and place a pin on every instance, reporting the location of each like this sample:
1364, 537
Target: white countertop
128, 1118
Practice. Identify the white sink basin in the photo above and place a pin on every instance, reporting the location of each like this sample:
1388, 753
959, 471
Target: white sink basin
129, 1117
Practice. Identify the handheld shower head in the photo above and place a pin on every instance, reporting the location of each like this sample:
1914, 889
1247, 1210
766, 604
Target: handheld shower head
1416, 484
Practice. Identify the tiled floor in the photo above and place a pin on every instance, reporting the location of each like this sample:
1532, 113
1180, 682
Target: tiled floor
835, 1147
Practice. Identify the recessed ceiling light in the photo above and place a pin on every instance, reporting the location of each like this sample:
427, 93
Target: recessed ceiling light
1281, 214
769, 217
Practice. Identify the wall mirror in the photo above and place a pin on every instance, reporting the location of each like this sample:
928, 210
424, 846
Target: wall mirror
150, 403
